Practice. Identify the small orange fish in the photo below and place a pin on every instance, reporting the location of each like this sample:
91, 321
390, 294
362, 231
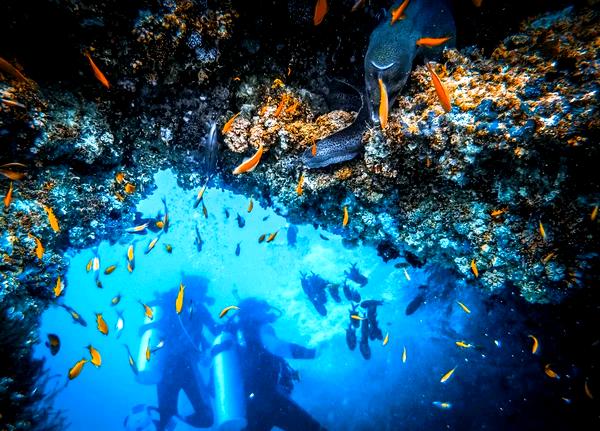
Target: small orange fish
137, 229
542, 231
474, 268
383, 104
59, 287
119, 177
550, 372
227, 309
96, 359
88, 267
499, 212
463, 344
446, 376
299, 189
587, 390
8, 197
101, 324
594, 213
386, 339
281, 105
272, 236
357, 317
200, 195
129, 188
152, 244
110, 269
536, 344
159, 224
313, 148
39, 248
147, 311
430, 42
52, 218
148, 351
179, 300
547, 258
440, 90
237, 78
11, 175
6, 67
345, 218
321, 9
14, 103
464, 307
398, 13
250, 205
97, 73
251, 163
227, 126
76, 369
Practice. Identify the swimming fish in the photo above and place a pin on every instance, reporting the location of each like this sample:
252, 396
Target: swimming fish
587, 390
398, 13
179, 300
237, 249
536, 344
594, 213
8, 197
272, 236
406, 274
159, 346
474, 268
59, 287
226, 310
204, 210
542, 231
250, 164
6, 67
119, 177
299, 190
137, 229
386, 339
165, 219
321, 9
169, 248
250, 205
132, 363
345, 218
463, 344
147, 311
357, 5
120, 323
404, 355
96, 359
357, 317
198, 239
442, 94
240, 221
446, 376
129, 188
229, 123
110, 270
39, 248
313, 148
464, 307
323, 237
97, 73
148, 352
52, 218
430, 42
88, 267
550, 372
383, 104
115, 300
200, 194
101, 324
262, 238
76, 369
53, 343
281, 105
444, 405
74, 315
496, 213
151, 244
130, 258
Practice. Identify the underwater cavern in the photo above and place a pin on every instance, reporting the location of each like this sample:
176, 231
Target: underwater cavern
299, 215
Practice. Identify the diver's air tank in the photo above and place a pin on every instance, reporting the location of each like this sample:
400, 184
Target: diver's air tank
149, 371
230, 405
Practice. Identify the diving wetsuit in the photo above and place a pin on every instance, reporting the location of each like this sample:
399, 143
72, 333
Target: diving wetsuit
268, 381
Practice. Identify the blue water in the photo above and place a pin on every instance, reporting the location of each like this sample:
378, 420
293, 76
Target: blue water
339, 388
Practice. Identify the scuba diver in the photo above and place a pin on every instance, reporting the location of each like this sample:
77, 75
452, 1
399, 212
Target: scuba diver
181, 346
268, 378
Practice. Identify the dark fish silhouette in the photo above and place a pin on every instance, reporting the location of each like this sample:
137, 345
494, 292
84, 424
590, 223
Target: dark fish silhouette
351, 337
314, 287
355, 275
237, 249
53, 343
198, 240
240, 220
365, 350
334, 291
415, 304
292, 235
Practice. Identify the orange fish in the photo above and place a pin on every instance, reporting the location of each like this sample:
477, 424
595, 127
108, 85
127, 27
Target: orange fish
587, 390
313, 149
59, 288
474, 268
6, 67
440, 90
97, 73
39, 248
536, 344
226, 310
14, 103
321, 9
96, 359
357, 5
272, 236
76, 369
594, 213
119, 177
8, 197
129, 188
464, 307
110, 269
52, 218
248, 165
542, 231
430, 42
227, 126
15, 176
281, 105
345, 219
446, 376
299, 190
496, 213
179, 300
137, 229
101, 324
383, 104
250, 205
147, 311
398, 13
550, 372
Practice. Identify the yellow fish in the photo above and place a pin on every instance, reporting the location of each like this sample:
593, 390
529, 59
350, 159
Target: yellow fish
148, 351
536, 344
95, 263
59, 288
101, 324
542, 231
179, 300
474, 268
169, 248
200, 195
594, 213
119, 177
76, 369
299, 190
345, 219
261, 238
95, 355
130, 255
147, 311
227, 126
115, 300
151, 245
446, 376
110, 269
463, 344
8, 198
383, 105
464, 307
550, 373
204, 210
356, 317
39, 248
386, 339
226, 310
404, 355
250, 205
272, 236
137, 229
88, 267
160, 224
129, 188
52, 218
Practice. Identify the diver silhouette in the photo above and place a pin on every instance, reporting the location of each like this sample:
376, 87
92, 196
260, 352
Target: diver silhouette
184, 345
268, 378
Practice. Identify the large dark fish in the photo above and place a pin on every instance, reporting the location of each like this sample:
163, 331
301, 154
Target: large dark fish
355, 275
292, 235
371, 305
74, 315
314, 287
365, 350
334, 291
240, 221
351, 337
415, 304
53, 343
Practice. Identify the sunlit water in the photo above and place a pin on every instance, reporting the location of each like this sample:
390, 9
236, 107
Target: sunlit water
339, 388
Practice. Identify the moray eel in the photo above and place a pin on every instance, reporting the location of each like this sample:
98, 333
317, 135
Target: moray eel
390, 56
